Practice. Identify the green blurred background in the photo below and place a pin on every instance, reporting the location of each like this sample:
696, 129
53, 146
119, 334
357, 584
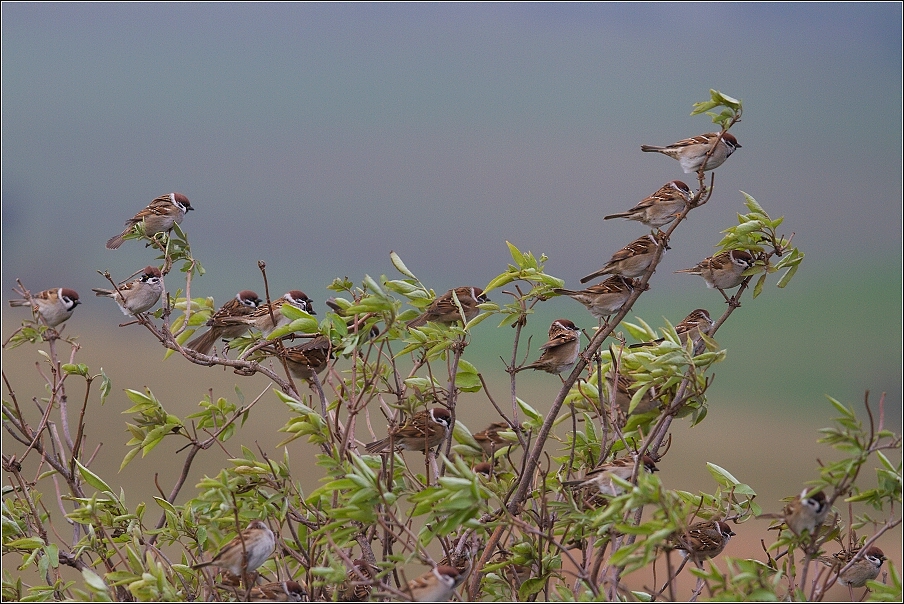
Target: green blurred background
318, 137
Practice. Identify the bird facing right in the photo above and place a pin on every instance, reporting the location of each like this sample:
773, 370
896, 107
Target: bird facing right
660, 208
444, 310
691, 152
560, 352
53, 305
630, 261
603, 299
159, 217
866, 568
137, 296
601, 476
244, 303
423, 430
436, 585
246, 552
262, 319
692, 326
724, 270
281, 591
806, 512
306, 359
704, 540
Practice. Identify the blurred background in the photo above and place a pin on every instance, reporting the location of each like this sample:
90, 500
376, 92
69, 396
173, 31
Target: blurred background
318, 137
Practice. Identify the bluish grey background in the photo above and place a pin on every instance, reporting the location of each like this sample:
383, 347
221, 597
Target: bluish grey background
318, 137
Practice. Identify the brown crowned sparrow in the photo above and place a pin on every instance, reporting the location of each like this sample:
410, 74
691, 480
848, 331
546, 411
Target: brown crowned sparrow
423, 430
660, 208
691, 152
246, 552
560, 352
244, 303
630, 261
159, 217
53, 305
444, 310
136, 296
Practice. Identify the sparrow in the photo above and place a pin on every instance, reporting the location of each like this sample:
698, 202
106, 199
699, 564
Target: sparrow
630, 261
242, 305
724, 270
806, 513
704, 540
444, 310
603, 299
260, 318
866, 568
423, 430
436, 585
282, 591
159, 217
485, 469
624, 392
601, 476
561, 351
691, 152
307, 359
53, 305
660, 208
246, 552
136, 296
359, 582
490, 440
691, 326
461, 558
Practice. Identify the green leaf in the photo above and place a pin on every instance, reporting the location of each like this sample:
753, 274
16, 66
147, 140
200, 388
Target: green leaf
533, 414
72, 369
786, 278
467, 378
704, 106
501, 280
758, 288
93, 479
400, 266
752, 205
530, 587
26, 543
724, 99
93, 580
722, 476
166, 505
105, 386
517, 256
841, 408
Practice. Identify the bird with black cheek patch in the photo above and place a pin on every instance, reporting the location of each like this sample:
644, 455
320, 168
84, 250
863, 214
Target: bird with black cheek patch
723, 271
560, 352
262, 318
630, 261
138, 296
660, 208
444, 309
53, 306
691, 152
244, 303
160, 216
423, 430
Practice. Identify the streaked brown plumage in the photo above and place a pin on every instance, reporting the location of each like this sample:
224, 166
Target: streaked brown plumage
244, 303
444, 310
